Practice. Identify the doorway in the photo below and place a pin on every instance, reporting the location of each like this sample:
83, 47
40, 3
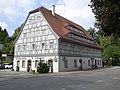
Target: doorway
50, 64
95, 63
29, 66
81, 64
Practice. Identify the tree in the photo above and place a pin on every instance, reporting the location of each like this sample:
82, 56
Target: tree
107, 14
112, 52
111, 49
94, 34
42, 67
15, 34
5, 33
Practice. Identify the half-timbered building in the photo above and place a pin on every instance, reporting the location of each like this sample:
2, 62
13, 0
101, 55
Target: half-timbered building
55, 40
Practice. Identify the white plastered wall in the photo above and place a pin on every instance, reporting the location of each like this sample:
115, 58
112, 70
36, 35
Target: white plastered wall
53, 58
71, 63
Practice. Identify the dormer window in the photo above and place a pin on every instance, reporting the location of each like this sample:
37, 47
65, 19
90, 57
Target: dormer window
73, 28
75, 36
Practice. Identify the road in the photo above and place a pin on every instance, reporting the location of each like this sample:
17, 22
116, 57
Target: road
103, 79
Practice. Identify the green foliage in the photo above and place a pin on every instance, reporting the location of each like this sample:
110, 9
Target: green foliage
94, 34
7, 41
3, 35
15, 34
107, 14
112, 52
110, 46
111, 49
7, 61
42, 67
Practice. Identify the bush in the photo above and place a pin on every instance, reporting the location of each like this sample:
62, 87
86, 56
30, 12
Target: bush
42, 67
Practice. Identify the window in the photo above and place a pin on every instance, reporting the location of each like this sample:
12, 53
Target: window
88, 62
33, 46
75, 29
24, 47
43, 44
18, 63
23, 64
75, 63
75, 36
66, 63
18, 47
51, 44
24, 35
36, 63
100, 62
43, 27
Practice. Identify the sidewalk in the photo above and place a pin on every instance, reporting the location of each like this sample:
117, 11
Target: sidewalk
8, 74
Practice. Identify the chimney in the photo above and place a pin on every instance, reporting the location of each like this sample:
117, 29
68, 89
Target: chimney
53, 10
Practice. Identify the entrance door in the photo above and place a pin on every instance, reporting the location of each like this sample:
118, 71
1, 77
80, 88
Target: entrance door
18, 63
50, 63
81, 64
95, 63
29, 66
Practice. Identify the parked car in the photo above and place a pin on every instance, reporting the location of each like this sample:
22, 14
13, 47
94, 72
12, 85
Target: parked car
8, 66
2, 66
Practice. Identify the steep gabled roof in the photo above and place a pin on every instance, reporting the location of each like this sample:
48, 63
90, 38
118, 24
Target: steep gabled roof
59, 23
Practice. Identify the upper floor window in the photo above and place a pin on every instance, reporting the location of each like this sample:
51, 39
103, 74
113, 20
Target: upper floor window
75, 29
51, 44
33, 46
24, 47
24, 35
18, 47
43, 45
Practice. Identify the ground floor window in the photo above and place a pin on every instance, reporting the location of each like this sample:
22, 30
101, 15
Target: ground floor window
36, 63
88, 62
23, 64
75, 63
66, 64
100, 62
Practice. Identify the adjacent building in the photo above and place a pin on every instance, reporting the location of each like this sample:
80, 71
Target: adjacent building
57, 41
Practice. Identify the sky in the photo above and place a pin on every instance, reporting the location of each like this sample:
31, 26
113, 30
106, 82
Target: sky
14, 12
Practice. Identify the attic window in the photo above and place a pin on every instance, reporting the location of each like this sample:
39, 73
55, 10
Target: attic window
71, 35
70, 27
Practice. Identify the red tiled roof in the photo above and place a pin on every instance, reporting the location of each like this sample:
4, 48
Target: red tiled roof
59, 23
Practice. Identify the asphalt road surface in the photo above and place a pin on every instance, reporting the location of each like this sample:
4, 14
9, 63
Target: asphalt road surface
103, 79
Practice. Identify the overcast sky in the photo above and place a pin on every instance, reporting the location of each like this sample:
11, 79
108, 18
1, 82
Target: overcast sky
14, 12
